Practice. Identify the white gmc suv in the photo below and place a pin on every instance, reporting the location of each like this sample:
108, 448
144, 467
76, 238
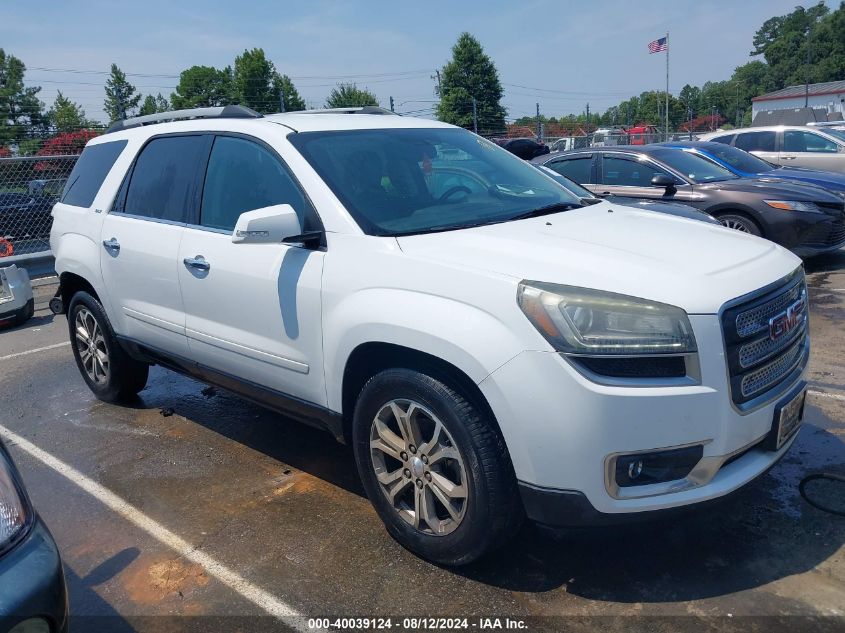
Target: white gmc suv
490, 347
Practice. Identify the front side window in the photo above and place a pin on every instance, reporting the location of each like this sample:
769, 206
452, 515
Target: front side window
695, 168
388, 179
578, 169
89, 173
163, 184
629, 172
244, 176
798, 141
756, 141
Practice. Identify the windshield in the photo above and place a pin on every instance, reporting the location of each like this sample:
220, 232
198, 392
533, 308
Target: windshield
739, 159
835, 133
693, 167
405, 181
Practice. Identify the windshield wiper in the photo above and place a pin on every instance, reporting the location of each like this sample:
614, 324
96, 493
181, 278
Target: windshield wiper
547, 210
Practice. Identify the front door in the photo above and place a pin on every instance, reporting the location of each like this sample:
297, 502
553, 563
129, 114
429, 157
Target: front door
253, 311
141, 237
810, 150
630, 177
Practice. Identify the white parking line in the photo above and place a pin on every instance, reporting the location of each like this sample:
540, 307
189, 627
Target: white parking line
33, 351
824, 394
251, 592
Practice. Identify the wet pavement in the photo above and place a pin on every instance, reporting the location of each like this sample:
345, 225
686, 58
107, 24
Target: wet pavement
280, 506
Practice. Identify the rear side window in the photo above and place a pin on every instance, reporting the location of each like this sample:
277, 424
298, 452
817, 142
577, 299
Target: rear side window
723, 139
756, 141
89, 173
163, 182
577, 169
244, 176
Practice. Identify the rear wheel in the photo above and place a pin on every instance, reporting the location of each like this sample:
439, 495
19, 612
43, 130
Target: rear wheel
740, 223
434, 467
106, 368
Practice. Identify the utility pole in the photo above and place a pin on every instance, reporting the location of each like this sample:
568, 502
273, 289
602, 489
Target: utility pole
588, 117
738, 122
474, 116
539, 131
391, 104
807, 70
281, 100
436, 75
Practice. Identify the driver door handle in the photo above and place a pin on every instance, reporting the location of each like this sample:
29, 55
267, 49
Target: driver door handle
112, 245
197, 263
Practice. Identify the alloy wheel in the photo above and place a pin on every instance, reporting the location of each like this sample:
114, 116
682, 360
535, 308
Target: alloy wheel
736, 225
91, 345
419, 467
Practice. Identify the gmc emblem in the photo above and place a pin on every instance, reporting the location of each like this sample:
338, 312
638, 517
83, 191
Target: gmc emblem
786, 321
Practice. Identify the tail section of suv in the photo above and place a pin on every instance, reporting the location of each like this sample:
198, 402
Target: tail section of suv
490, 352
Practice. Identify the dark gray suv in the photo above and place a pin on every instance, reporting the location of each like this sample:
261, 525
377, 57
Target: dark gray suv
804, 218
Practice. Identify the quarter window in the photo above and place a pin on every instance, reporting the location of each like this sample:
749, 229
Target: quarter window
163, 182
798, 141
629, 173
89, 173
244, 176
756, 141
577, 169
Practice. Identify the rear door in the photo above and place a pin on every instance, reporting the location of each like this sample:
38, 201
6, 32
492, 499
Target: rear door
763, 144
253, 310
807, 149
141, 237
629, 176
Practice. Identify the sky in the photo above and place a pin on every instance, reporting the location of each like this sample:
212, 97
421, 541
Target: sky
562, 54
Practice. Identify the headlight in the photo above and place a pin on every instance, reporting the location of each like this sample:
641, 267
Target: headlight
793, 205
14, 511
583, 322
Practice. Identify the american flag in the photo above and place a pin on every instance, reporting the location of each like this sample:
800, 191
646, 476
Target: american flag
658, 46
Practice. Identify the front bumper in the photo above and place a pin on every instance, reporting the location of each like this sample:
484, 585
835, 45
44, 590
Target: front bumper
20, 302
561, 429
32, 582
822, 236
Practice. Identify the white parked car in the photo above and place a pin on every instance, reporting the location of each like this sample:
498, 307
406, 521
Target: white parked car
491, 348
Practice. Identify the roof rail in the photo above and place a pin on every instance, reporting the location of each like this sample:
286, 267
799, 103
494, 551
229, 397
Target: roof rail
222, 112
350, 110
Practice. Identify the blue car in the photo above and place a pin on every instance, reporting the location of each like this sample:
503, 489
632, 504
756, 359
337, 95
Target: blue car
33, 596
747, 165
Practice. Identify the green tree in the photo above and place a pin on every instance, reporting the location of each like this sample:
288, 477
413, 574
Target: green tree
66, 116
21, 112
253, 81
121, 98
471, 73
282, 85
350, 96
152, 105
203, 86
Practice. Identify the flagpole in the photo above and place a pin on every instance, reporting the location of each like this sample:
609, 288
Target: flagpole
666, 129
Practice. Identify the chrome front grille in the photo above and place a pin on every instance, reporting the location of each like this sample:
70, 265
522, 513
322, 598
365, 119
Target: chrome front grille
766, 339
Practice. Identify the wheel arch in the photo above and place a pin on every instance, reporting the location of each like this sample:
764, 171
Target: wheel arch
741, 210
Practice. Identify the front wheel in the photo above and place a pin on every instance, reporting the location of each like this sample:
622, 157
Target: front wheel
739, 223
434, 467
106, 368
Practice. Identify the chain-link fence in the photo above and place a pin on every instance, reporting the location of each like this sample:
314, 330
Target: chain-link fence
29, 187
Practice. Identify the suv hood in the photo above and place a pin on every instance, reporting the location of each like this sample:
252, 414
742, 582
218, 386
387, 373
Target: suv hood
773, 188
686, 263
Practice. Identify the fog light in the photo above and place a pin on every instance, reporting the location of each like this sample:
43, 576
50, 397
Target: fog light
32, 625
642, 469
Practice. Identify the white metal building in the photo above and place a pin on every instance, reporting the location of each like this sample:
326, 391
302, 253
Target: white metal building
828, 96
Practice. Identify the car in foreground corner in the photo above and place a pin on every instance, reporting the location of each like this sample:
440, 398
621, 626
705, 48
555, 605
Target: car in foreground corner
33, 595
748, 165
806, 219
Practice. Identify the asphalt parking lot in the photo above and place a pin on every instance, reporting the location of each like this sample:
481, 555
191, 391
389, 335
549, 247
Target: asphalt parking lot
194, 502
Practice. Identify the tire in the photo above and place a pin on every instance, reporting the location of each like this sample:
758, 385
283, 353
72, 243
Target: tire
740, 223
467, 457
110, 373
27, 313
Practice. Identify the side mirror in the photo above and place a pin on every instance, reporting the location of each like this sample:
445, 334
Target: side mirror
266, 225
664, 181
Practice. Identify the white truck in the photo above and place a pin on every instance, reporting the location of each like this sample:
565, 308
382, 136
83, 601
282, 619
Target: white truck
490, 348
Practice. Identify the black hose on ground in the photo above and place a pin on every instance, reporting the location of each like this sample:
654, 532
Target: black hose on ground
816, 504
